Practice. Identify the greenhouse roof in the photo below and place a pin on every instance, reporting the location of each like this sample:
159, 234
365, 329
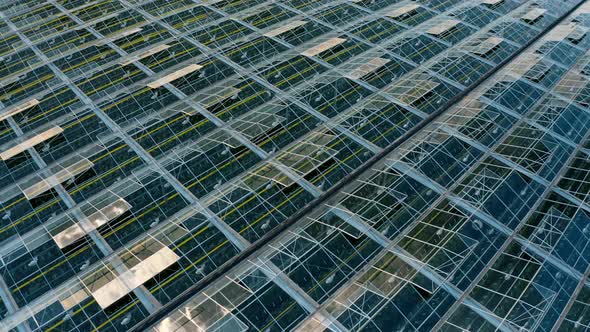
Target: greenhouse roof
294, 165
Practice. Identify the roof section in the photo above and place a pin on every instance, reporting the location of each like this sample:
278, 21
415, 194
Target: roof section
146, 143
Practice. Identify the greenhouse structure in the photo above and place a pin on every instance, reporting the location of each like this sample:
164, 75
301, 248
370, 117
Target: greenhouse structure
294, 165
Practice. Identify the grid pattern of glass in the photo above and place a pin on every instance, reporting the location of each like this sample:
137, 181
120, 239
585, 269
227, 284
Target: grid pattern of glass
143, 144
